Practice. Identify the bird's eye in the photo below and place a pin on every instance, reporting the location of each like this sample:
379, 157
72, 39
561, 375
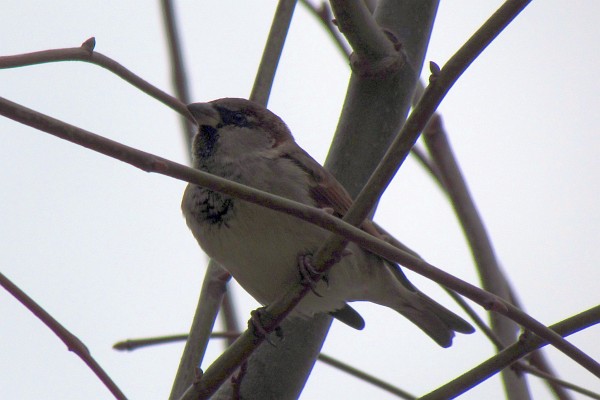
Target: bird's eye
239, 119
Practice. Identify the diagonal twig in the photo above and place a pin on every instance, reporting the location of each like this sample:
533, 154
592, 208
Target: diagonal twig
71, 341
214, 286
86, 53
323, 13
272, 52
179, 75
509, 355
480, 244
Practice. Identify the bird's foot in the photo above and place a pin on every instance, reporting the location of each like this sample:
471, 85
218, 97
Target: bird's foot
309, 275
260, 319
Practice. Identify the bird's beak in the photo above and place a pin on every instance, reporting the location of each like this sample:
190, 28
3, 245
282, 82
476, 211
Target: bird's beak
204, 114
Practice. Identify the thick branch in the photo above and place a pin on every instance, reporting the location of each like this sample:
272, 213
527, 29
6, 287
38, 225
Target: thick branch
432, 97
362, 31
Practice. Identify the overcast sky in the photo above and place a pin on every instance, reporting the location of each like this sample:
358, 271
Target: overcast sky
104, 248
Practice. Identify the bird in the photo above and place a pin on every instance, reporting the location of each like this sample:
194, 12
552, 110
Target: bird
244, 142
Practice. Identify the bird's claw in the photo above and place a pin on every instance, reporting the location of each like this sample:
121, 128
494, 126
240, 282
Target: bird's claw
257, 321
310, 276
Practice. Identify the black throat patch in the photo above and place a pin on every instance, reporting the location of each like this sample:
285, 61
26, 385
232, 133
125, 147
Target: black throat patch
205, 141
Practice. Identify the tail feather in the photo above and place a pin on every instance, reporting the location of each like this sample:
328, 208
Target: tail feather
435, 320
349, 316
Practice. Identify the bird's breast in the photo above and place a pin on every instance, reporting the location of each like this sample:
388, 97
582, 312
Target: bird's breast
258, 246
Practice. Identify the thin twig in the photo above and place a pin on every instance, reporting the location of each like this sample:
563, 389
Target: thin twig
365, 377
214, 287
492, 278
323, 14
272, 52
511, 354
179, 76
427, 164
228, 316
553, 381
71, 341
134, 344
478, 321
539, 360
86, 53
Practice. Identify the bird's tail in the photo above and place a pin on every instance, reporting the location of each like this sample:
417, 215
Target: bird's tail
435, 320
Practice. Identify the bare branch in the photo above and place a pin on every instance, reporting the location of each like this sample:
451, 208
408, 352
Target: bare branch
135, 344
71, 341
511, 354
86, 53
555, 382
323, 13
365, 377
272, 52
366, 37
213, 290
492, 278
537, 358
179, 76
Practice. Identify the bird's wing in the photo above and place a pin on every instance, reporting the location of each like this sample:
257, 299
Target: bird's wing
325, 190
329, 193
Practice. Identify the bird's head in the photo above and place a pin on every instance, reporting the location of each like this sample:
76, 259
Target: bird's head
233, 128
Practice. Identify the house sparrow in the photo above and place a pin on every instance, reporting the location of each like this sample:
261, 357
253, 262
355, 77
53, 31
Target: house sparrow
242, 141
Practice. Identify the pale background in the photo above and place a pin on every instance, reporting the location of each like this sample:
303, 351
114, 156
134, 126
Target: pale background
103, 247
